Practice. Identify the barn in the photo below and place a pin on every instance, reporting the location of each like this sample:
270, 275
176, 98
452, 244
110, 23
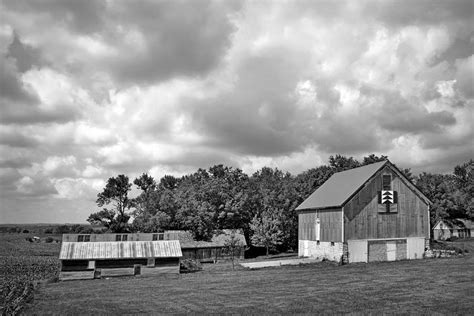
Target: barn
459, 228
370, 213
203, 251
88, 260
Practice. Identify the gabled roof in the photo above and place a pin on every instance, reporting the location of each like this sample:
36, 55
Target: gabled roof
120, 250
340, 186
458, 223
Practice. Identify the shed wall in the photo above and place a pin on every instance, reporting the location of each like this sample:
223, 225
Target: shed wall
209, 254
363, 220
330, 225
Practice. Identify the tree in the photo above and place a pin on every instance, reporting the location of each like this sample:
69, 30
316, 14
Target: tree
464, 194
266, 232
439, 189
341, 163
372, 158
115, 193
233, 246
141, 203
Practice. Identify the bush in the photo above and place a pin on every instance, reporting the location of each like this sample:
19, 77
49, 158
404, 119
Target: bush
49, 239
189, 265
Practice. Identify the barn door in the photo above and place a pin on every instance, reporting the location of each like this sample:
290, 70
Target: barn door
391, 251
357, 250
415, 247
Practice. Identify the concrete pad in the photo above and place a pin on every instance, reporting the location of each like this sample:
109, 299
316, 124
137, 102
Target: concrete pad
277, 263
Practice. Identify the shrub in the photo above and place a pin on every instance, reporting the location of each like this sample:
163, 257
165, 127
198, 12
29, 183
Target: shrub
189, 265
49, 239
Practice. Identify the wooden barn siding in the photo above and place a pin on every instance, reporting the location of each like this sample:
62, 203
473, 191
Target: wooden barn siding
363, 220
208, 254
111, 237
330, 225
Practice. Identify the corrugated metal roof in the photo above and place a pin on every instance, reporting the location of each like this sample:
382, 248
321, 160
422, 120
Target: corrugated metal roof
120, 249
340, 186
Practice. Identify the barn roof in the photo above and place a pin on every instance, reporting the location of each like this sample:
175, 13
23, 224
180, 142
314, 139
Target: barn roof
120, 250
340, 186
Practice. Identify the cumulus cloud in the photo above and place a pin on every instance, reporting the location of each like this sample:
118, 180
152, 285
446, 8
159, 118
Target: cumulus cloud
96, 88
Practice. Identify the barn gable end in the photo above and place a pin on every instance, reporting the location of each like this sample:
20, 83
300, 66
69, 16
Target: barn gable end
365, 217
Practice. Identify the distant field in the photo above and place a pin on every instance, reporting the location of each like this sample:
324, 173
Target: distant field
21, 263
440, 286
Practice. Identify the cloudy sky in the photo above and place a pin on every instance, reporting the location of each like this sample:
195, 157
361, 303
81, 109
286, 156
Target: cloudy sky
92, 89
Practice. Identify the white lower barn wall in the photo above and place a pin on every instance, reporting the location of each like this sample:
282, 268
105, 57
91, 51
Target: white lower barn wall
323, 250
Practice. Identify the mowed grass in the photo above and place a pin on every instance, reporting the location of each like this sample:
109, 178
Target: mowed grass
430, 286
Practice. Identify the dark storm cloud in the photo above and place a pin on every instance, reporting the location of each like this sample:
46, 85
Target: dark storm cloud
182, 38
200, 158
16, 139
16, 163
11, 87
396, 13
409, 121
407, 116
80, 16
12, 112
25, 55
9, 176
19, 104
461, 47
257, 116
448, 141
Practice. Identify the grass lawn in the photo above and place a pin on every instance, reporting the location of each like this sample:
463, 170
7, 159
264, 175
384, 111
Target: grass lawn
440, 286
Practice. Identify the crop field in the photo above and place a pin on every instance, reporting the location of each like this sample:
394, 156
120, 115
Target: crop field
430, 286
22, 264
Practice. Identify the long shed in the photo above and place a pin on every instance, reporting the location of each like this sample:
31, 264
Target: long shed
370, 213
86, 260
203, 251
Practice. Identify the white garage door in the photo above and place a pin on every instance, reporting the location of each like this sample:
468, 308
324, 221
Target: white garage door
357, 250
415, 247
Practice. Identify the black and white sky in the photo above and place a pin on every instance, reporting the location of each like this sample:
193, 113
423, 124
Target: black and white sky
91, 89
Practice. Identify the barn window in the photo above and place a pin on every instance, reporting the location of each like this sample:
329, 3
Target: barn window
158, 236
118, 237
124, 237
332, 243
387, 182
83, 238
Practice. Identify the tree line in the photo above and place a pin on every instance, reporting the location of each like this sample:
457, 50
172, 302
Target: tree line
262, 205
